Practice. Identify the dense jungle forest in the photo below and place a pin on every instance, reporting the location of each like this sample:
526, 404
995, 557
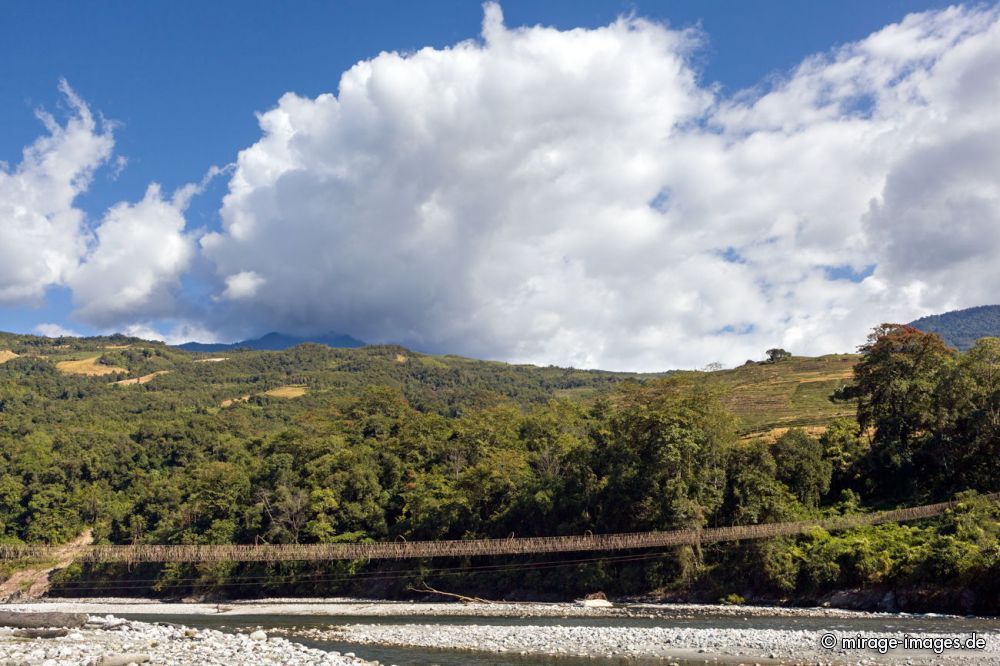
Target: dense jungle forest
138, 442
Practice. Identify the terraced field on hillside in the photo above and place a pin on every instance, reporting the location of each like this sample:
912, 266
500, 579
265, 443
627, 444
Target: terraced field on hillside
789, 393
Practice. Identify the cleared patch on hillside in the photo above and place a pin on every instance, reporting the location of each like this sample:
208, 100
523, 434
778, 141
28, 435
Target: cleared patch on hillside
145, 379
216, 359
432, 362
232, 401
7, 355
88, 366
293, 391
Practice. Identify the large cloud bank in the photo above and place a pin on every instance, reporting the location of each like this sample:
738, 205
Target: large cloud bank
572, 197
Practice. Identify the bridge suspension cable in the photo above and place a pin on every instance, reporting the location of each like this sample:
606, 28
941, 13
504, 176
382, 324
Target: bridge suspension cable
144, 553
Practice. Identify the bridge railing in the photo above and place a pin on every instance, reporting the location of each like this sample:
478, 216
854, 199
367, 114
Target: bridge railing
140, 553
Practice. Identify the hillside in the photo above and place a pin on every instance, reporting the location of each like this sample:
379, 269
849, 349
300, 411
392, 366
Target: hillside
132, 441
961, 328
790, 393
764, 396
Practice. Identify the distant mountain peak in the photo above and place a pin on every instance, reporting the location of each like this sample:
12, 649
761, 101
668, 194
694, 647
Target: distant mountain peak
275, 341
961, 328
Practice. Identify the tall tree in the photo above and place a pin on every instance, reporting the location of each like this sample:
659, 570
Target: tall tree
895, 385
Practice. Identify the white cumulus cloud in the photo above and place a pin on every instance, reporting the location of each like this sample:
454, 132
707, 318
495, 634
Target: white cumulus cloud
242, 285
42, 232
136, 263
579, 197
50, 330
462, 199
123, 269
170, 332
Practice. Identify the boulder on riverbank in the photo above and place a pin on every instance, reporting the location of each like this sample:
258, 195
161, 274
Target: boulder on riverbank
594, 603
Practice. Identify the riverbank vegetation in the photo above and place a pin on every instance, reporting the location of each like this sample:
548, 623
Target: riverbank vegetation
381, 443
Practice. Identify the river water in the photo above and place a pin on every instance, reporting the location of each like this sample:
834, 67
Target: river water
912, 624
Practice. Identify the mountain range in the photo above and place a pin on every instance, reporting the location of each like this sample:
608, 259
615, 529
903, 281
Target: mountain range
961, 328
275, 342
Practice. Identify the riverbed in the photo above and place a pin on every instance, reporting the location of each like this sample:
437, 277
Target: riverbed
453, 634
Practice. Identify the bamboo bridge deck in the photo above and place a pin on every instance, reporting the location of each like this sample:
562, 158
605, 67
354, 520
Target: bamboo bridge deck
141, 553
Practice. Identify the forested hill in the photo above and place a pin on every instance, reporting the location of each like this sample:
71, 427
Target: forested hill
135, 441
961, 328
96, 369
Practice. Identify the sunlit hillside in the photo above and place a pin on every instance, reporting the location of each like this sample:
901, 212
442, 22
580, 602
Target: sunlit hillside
767, 397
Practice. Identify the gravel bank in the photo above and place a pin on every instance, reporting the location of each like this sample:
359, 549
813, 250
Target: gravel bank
110, 641
740, 645
359, 625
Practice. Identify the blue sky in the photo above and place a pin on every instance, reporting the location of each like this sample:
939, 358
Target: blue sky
185, 78
182, 82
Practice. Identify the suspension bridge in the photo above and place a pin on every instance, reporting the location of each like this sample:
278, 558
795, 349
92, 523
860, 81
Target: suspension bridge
395, 550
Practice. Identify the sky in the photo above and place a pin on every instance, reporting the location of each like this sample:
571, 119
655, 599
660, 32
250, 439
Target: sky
629, 186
